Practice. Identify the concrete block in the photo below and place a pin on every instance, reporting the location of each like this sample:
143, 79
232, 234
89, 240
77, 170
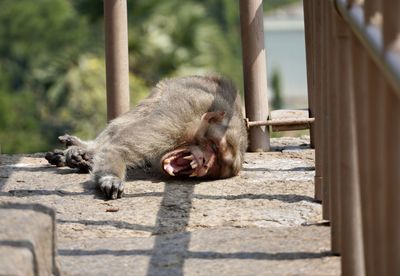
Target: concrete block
27, 239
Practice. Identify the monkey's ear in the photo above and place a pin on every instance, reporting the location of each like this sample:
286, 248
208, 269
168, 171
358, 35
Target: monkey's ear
213, 117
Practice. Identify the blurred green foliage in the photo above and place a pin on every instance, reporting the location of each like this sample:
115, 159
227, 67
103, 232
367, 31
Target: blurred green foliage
52, 71
276, 86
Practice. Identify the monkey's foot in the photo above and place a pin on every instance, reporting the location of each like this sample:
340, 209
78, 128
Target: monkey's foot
79, 158
56, 158
111, 186
69, 140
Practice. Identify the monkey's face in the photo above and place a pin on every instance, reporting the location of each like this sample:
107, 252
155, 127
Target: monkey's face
205, 160
210, 152
190, 160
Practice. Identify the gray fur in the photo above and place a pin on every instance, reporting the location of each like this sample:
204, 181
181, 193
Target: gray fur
163, 121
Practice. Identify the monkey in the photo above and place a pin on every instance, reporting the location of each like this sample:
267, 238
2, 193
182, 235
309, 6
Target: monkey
187, 127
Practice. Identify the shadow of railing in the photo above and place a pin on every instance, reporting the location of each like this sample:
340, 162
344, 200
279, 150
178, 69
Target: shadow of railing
175, 207
205, 255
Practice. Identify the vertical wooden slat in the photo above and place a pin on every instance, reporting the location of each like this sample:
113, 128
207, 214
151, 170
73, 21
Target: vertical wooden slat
318, 38
391, 32
351, 228
308, 9
368, 129
254, 71
361, 97
374, 226
325, 110
312, 40
376, 185
334, 138
392, 198
117, 67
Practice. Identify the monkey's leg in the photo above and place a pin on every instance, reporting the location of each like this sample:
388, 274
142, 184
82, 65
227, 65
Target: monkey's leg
109, 168
69, 140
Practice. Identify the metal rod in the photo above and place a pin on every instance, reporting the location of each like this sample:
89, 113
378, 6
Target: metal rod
281, 122
117, 67
254, 71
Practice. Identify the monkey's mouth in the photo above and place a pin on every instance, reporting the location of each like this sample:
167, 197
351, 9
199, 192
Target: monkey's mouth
191, 161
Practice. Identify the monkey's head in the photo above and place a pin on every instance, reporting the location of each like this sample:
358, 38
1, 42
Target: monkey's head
213, 151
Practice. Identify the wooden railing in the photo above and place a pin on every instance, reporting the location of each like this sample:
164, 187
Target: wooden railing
353, 64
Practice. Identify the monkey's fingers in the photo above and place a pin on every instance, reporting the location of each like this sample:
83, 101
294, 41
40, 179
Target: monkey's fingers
111, 186
56, 158
68, 140
80, 159
117, 192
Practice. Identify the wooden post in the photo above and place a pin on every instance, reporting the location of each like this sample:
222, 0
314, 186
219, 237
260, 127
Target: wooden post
335, 132
325, 108
392, 194
254, 71
318, 96
366, 112
377, 162
312, 40
117, 66
361, 98
391, 32
309, 19
351, 224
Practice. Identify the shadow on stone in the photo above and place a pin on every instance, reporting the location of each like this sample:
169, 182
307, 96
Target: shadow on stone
289, 198
296, 169
114, 223
207, 255
168, 255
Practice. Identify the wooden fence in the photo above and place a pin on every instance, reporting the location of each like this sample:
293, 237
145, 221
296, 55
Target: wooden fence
353, 64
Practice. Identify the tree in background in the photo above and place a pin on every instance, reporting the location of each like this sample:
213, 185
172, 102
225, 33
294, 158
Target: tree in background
36, 38
276, 87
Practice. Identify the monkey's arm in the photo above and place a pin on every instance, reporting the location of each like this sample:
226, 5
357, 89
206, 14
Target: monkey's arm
134, 144
109, 168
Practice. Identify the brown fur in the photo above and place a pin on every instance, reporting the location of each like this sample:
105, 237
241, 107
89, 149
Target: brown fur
173, 116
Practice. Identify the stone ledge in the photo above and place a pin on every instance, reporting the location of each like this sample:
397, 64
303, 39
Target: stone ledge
27, 239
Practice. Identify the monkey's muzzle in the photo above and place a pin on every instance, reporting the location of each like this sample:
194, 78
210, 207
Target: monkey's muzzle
192, 161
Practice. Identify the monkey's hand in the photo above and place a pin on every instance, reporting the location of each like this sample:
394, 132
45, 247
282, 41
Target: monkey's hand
56, 158
69, 140
112, 186
76, 157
